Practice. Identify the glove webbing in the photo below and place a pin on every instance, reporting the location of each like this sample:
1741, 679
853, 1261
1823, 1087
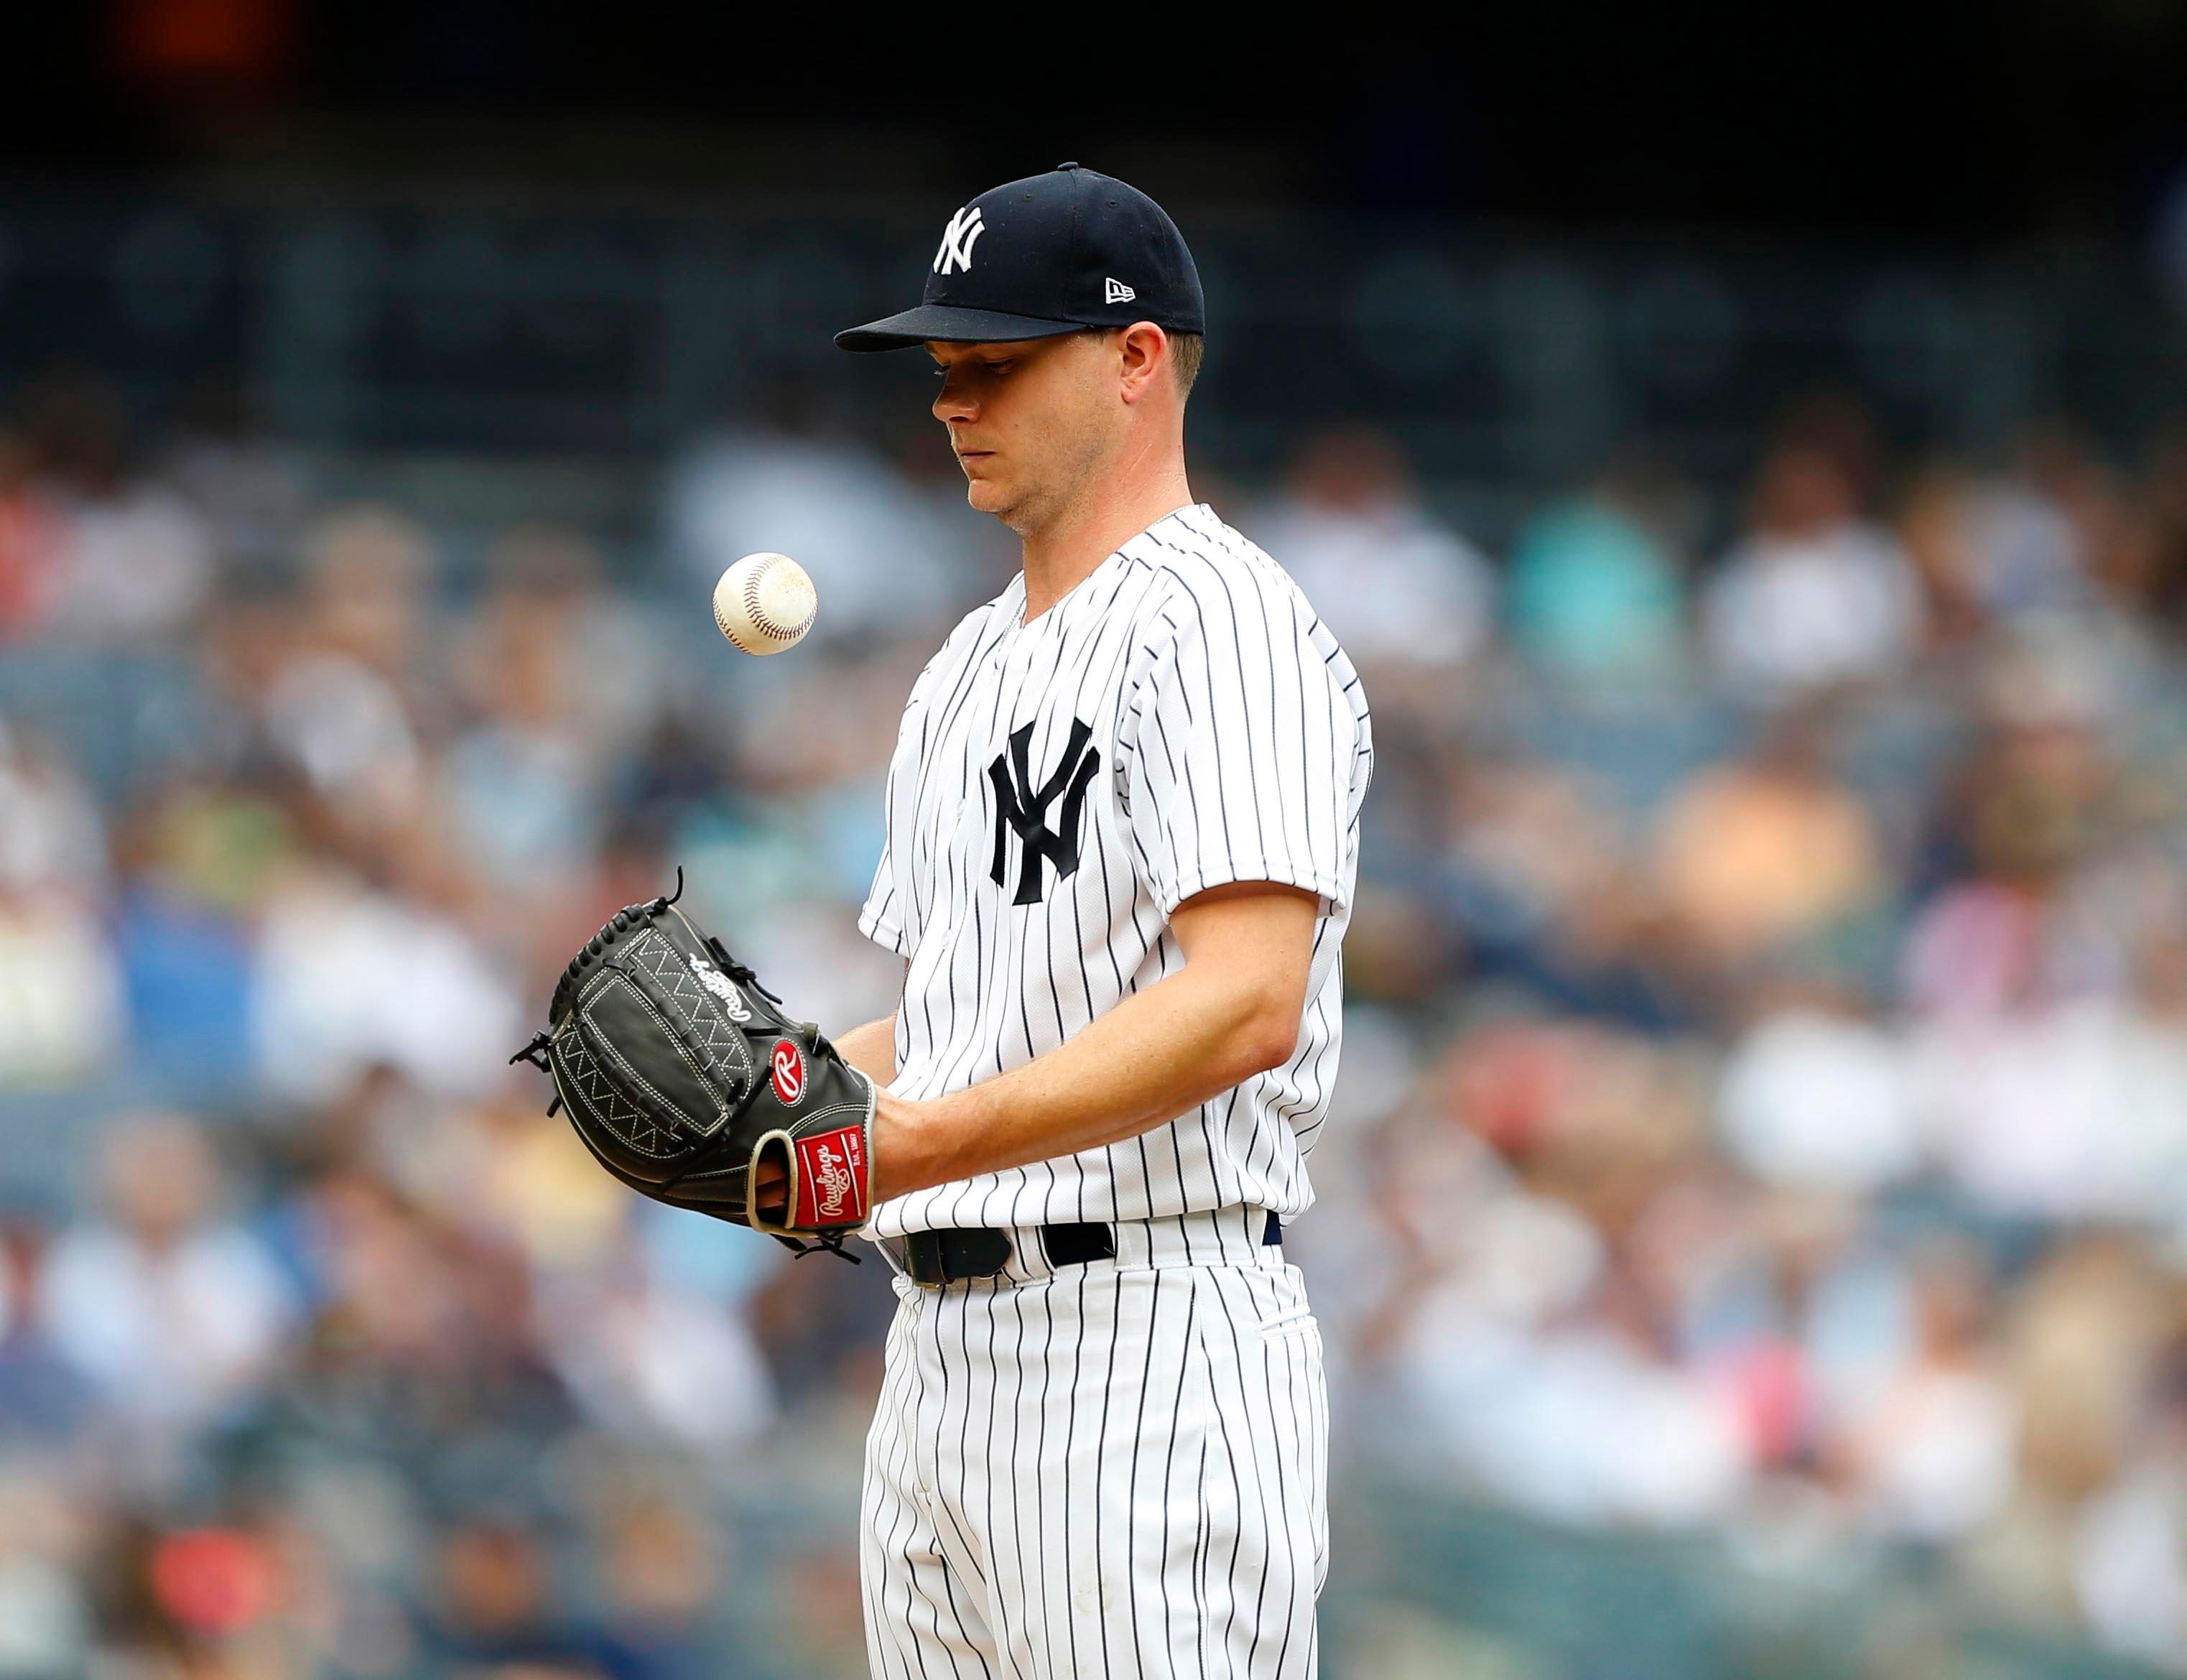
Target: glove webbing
817, 1043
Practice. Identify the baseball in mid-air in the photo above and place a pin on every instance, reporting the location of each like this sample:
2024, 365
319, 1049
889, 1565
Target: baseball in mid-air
765, 602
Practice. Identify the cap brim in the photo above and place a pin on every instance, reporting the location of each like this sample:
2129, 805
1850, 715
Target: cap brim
942, 322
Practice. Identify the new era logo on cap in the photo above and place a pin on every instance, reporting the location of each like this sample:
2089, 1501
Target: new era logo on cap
957, 240
1117, 292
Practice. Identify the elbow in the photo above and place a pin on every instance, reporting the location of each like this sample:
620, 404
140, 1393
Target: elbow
1270, 1039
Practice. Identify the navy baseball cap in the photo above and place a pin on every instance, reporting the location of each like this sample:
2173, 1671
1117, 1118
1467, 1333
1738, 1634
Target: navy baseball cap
1051, 254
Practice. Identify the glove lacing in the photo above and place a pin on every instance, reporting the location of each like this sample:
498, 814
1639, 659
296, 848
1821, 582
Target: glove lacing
817, 1044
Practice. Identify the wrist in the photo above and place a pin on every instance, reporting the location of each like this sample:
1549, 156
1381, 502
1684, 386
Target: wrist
905, 1146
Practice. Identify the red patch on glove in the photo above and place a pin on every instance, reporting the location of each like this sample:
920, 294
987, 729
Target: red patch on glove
831, 1179
788, 1071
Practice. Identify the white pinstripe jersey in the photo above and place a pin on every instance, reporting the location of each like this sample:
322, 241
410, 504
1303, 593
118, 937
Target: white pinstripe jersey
1180, 719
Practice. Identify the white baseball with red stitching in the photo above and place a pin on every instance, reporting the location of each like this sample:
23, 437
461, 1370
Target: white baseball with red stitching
765, 602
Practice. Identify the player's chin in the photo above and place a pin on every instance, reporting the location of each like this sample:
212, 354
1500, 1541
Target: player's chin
985, 495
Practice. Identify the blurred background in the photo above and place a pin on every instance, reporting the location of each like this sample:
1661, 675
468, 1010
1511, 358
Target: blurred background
1750, 468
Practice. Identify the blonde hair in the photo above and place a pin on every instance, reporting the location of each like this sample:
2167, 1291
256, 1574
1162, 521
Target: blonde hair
1186, 349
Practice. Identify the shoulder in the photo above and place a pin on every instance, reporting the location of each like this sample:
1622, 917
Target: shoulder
1208, 573
1223, 618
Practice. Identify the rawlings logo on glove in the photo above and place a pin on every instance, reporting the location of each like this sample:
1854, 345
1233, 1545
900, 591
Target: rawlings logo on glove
831, 1182
688, 1087
719, 984
788, 1072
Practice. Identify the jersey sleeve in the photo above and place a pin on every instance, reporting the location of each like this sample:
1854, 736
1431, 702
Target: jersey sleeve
879, 920
1240, 744
885, 918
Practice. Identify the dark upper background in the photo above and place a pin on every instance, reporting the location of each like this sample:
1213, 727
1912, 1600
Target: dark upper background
1959, 122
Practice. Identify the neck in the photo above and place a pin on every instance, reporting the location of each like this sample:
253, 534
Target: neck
1063, 553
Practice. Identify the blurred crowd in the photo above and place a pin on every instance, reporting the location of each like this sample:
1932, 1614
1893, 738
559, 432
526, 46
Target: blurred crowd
1763, 1111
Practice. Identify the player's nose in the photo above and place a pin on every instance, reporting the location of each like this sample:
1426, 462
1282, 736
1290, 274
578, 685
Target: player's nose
952, 403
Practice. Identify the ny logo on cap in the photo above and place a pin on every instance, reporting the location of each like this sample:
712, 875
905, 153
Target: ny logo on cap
957, 240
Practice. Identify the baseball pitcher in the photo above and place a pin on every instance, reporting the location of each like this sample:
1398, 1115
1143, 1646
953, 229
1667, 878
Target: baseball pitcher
1122, 832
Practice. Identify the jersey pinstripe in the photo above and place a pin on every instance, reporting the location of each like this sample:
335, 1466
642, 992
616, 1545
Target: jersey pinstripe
1112, 1471
1180, 719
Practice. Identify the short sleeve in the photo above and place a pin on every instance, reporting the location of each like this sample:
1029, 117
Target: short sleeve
885, 917
1241, 750
879, 920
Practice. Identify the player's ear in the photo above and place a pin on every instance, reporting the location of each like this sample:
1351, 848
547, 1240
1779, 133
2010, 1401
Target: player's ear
1143, 352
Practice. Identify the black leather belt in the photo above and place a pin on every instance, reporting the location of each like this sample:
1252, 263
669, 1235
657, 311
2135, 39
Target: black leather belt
951, 1255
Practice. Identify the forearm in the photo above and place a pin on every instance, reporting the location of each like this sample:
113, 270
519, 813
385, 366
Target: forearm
871, 1049
1158, 1053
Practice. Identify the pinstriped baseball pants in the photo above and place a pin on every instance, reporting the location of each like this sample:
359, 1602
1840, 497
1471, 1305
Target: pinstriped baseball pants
1115, 1468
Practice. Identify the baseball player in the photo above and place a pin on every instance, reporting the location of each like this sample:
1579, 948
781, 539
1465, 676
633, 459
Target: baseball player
1124, 828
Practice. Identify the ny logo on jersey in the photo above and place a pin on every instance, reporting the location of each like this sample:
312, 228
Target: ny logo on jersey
957, 240
1020, 809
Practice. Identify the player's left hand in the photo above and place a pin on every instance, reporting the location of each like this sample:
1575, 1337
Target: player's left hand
687, 1083
770, 1189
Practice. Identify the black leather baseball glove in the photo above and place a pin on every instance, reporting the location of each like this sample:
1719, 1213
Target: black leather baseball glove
686, 1081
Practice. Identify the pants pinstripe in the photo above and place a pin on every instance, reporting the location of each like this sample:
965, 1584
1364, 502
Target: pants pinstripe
1115, 1468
